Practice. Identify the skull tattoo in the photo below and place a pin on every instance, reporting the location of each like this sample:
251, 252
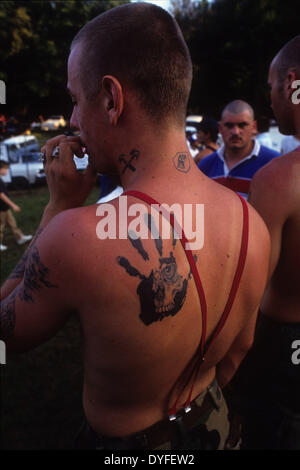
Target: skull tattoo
163, 292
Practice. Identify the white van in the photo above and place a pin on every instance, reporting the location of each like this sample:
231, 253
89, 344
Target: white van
22, 154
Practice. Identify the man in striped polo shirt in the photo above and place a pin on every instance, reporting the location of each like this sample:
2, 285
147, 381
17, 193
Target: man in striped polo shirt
235, 163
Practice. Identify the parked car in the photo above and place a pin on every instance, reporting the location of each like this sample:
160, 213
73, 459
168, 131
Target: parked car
36, 126
28, 170
53, 123
11, 148
23, 155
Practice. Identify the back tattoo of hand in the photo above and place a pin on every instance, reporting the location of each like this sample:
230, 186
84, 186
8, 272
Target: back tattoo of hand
163, 292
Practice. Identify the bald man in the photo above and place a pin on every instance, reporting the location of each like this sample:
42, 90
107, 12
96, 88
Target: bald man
269, 378
235, 163
166, 318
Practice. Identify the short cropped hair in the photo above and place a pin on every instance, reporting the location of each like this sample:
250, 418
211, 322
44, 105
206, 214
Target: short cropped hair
288, 58
3, 164
237, 107
142, 45
209, 125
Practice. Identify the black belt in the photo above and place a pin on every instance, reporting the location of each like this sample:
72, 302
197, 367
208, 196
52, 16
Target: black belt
157, 434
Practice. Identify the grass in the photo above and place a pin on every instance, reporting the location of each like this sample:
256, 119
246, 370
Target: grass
32, 202
41, 389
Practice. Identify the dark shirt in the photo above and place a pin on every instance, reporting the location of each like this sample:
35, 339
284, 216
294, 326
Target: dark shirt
3, 205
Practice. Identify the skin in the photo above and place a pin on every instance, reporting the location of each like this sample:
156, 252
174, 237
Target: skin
275, 194
130, 367
237, 131
206, 140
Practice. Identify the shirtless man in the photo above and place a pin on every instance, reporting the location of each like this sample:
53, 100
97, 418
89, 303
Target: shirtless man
145, 384
270, 375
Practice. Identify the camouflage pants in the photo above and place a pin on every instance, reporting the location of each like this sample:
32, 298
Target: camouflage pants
209, 432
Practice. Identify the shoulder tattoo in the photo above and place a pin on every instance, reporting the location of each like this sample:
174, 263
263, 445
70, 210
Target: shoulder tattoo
18, 272
35, 275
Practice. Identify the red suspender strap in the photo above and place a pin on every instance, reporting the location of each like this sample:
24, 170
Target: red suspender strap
234, 288
149, 200
238, 273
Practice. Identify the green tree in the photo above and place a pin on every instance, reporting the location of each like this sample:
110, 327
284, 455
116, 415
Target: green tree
232, 43
35, 40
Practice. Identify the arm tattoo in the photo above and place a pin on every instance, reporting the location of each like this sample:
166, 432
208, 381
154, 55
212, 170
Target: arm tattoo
163, 292
35, 275
18, 272
7, 316
134, 155
182, 162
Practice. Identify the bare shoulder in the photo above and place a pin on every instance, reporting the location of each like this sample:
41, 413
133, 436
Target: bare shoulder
258, 234
280, 174
69, 234
258, 238
79, 220
275, 190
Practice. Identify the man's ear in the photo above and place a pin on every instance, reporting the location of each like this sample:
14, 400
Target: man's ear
113, 98
254, 125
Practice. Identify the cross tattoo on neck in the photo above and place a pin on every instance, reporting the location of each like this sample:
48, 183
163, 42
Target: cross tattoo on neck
134, 155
